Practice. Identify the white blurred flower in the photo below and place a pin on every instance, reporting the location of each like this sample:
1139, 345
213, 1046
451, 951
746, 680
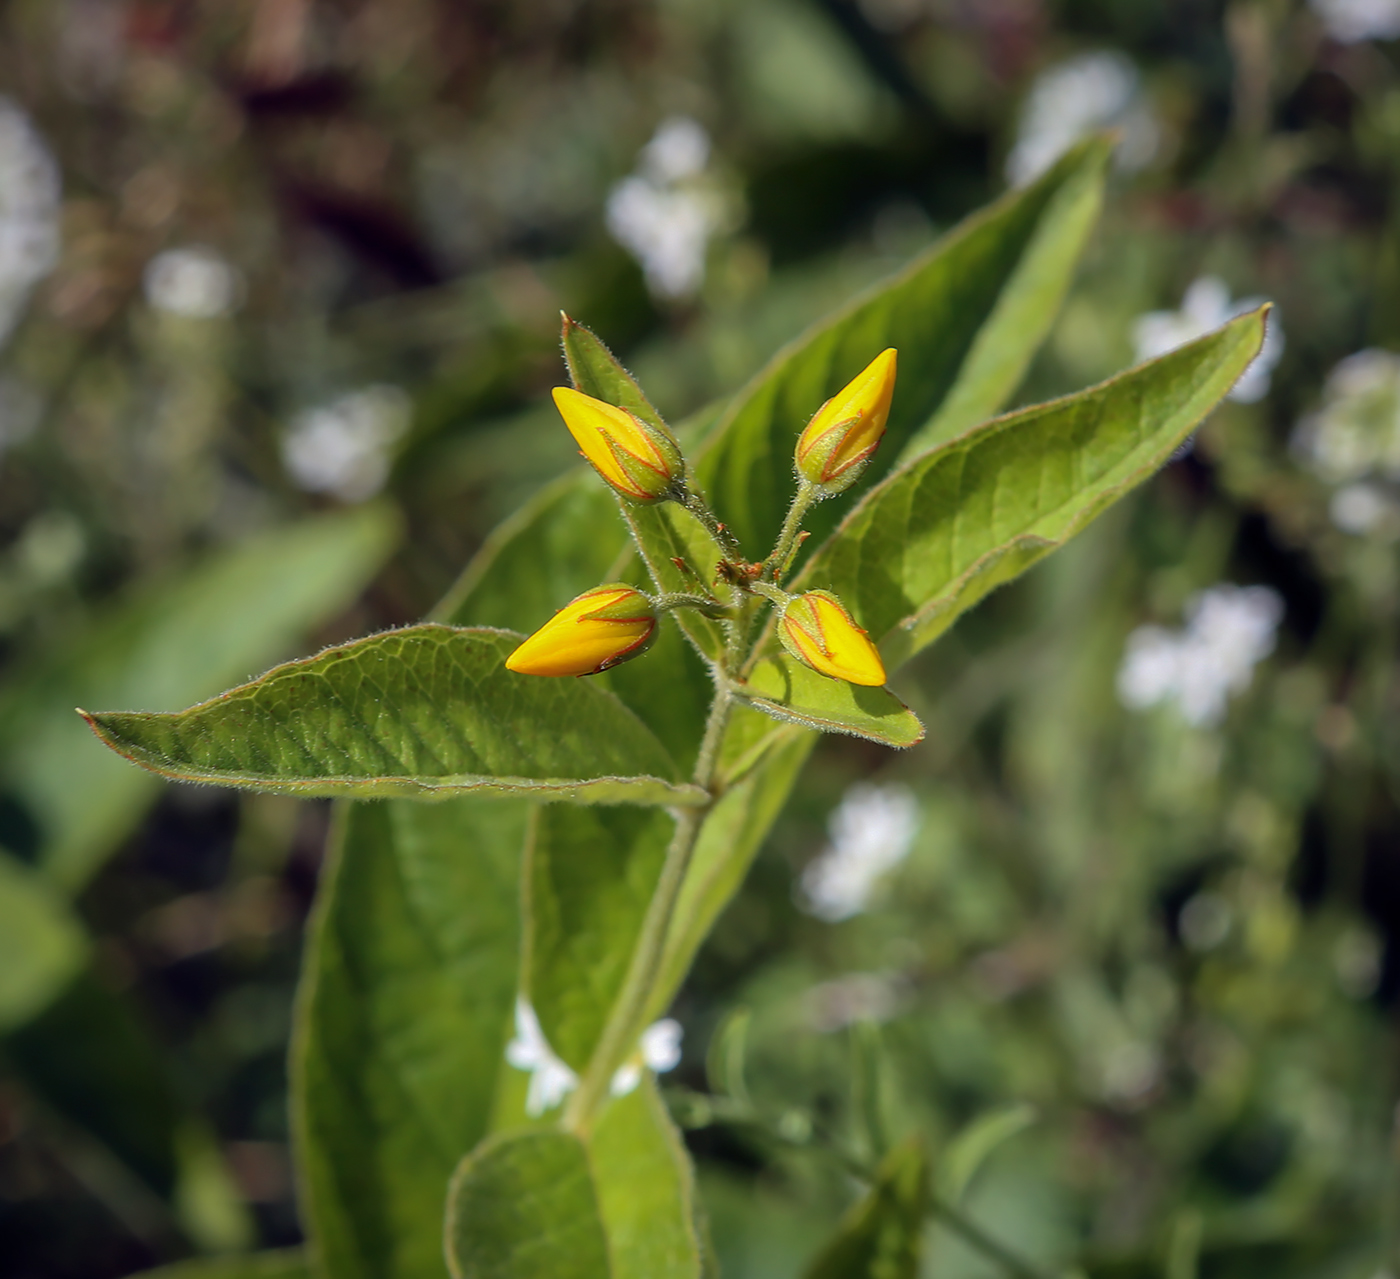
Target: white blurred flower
855, 997
29, 206
1356, 432
550, 1079
666, 213
1348, 21
1067, 101
1229, 630
659, 1050
1207, 306
871, 830
1363, 508
194, 282
343, 447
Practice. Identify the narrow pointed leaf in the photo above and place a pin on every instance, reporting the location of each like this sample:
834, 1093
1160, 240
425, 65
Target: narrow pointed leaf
1026, 307
783, 688
168, 646
429, 710
1000, 268
881, 1237
403, 1015
975, 1144
971, 514
523, 1206
596, 371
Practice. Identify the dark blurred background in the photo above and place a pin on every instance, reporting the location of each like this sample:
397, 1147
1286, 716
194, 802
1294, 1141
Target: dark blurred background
279, 295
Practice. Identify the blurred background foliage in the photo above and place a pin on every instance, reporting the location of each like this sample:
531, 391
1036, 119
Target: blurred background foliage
279, 296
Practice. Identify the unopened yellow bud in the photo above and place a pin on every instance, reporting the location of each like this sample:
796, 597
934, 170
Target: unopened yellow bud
604, 626
641, 461
846, 429
816, 629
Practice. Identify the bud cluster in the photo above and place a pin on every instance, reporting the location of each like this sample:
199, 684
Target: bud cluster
642, 462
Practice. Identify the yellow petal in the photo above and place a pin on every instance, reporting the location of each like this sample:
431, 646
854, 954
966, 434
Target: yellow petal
856, 414
575, 642
601, 430
825, 637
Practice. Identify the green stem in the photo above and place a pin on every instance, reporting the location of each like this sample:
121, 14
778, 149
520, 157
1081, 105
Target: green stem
698, 507
627, 1019
807, 496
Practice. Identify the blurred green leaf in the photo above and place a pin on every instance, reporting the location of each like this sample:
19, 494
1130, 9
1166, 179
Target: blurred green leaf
405, 1008
937, 536
523, 1206
620, 1205
729, 840
881, 1237
231, 616
43, 945
429, 710
589, 875
976, 1143
284, 1263
1006, 267
646, 1189
559, 544
782, 687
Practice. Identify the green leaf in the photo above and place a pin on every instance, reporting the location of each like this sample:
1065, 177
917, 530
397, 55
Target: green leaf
998, 269
1028, 303
975, 1143
589, 875
233, 615
881, 1236
562, 542
596, 371
937, 536
646, 1189
285, 1263
43, 946
729, 840
429, 710
542, 1202
523, 1206
404, 1011
785, 689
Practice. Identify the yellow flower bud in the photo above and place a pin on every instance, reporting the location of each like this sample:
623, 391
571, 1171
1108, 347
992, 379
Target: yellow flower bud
641, 461
604, 626
816, 629
846, 429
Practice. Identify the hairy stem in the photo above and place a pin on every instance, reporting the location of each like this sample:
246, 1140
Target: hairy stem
807, 496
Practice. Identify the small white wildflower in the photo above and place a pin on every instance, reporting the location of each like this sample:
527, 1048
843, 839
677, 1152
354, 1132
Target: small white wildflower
659, 1050
550, 1079
856, 997
1356, 432
1067, 101
1361, 509
1206, 306
1349, 21
343, 447
1229, 630
666, 213
194, 282
871, 830
29, 204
